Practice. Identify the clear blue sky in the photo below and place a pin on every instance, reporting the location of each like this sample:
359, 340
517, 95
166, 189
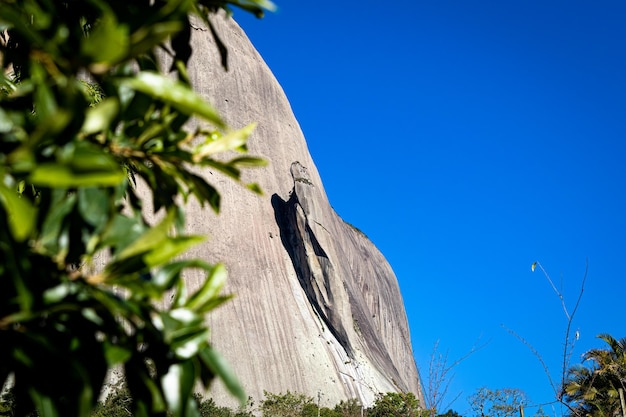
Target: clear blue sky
469, 139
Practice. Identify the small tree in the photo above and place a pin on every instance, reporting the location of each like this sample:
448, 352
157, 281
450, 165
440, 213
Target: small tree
395, 404
349, 408
440, 376
287, 405
504, 402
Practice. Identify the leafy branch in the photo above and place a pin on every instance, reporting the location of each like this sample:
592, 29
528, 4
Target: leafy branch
86, 113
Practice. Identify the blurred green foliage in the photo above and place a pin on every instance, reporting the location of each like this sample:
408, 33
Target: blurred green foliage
86, 113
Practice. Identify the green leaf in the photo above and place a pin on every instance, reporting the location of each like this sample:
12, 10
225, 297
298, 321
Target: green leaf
99, 117
122, 231
234, 140
204, 192
255, 188
215, 302
153, 248
57, 294
210, 289
147, 37
249, 161
107, 43
62, 204
175, 93
170, 248
45, 405
115, 354
166, 276
177, 386
21, 213
79, 164
151, 238
218, 365
6, 124
93, 205
45, 103
188, 345
223, 167
64, 176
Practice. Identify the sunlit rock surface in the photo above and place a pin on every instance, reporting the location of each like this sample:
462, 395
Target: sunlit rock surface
317, 307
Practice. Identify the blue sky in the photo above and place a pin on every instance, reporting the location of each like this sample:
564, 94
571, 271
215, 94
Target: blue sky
469, 139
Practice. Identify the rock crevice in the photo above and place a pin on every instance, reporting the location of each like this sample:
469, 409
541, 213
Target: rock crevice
315, 271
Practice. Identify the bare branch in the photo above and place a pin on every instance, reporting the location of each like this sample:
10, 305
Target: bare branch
440, 377
569, 342
537, 355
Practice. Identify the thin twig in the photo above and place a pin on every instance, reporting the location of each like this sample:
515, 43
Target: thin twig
566, 355
537, 355
439, 377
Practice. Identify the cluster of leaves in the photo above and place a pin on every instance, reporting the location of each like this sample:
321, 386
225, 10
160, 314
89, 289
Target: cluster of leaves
598, 388
86, 116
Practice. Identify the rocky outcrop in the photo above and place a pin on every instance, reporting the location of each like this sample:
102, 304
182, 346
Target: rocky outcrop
317, 308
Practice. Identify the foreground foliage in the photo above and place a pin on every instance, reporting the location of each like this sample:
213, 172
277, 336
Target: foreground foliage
86, 117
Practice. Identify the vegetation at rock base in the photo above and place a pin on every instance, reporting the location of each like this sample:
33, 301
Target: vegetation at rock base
590, 391
119, 404
86, 117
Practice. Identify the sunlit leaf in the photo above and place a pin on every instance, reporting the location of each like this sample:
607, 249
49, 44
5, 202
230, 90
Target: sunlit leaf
79, 165
233, 140
64, 176
115, 354
177, 386
99, 117
170, 248
6, 124
166, 276
249, 161
58, 293
175, 93
107, 43
213, 284
151, 238
218, 365
21, 213
255, 188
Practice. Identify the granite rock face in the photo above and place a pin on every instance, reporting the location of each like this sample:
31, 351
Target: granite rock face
317, 308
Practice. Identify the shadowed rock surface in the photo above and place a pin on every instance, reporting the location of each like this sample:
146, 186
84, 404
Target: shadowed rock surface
317, 307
